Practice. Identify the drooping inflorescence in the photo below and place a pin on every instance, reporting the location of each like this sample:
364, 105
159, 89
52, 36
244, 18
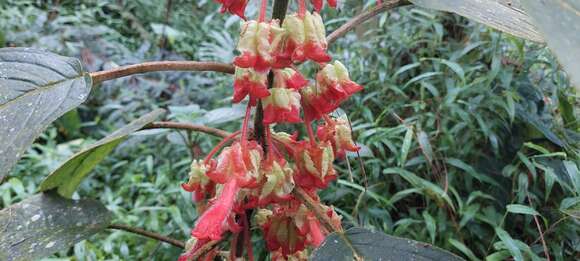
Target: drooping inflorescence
258, 179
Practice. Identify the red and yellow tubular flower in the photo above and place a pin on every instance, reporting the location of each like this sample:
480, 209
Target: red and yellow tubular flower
318, 4
236, 7
306, 38
198, 181
257, 40
279, 183
235, 163
283, 105
289, 78
213, 222
249, 82
333, 86
338, 132
314, 165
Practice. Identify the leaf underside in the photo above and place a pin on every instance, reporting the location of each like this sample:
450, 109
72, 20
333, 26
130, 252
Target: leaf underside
69, 175
47, 223
377, 246
36, 87
499, 14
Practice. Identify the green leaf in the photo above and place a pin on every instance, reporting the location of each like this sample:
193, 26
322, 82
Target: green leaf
521, 209
463, 248
406, 145
372, 245
47, 223
425, 145
559, 22
471, 171
495, 14
510, 243
431, 225
69, 175
36, 87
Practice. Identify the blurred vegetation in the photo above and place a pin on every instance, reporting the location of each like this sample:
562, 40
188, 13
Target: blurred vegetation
470, 136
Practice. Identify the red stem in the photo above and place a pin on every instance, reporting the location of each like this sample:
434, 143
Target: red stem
219, 146
309, 129
233, 247
245, 127
301, 8
263, 9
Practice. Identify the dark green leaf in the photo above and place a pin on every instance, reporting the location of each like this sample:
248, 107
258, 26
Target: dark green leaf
510, 243
376, 246
495, 14
521, 209
69, 175
36, 87
559, 21
46, 223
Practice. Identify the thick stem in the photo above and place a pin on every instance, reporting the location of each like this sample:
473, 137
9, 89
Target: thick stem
187, 126
148, 234
123, 71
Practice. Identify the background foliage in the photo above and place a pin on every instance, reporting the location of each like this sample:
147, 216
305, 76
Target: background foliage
470, 136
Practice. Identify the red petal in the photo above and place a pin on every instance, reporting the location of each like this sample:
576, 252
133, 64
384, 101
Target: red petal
211, 223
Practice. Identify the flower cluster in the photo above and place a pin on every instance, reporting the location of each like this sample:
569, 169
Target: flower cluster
258, 175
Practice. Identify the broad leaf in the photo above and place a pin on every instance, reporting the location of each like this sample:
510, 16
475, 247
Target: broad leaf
501, 15
69, 175
36, 87
376, 246
47, 223
559, 21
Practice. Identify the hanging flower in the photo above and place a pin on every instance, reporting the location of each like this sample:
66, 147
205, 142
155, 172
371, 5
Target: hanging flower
236, 7
250, 82
333, 86
280, 231
319, 3
213, 222
279, 182
314, 163
289, 78
283, 105
339, 133
198, 181
236, 163
306, 38
257, 41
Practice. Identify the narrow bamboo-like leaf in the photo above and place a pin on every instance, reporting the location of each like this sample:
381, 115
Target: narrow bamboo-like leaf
69, 175
47, 223
463, 248
431, 225
36, 87
371, 245
510, 243
425, 145
559, 21
521, 209
499, 15
406, 145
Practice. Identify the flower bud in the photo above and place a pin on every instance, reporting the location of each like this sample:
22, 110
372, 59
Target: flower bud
283, 105
198, 182
306, 38
236, 7
315, 169
257, 42
250, 82
339, 133
279, 182
234, 163
289, 78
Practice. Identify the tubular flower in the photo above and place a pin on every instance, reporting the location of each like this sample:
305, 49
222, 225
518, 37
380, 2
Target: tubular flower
255, 44
279, 182
338, 132
213, 222
250, 82
319, 3
283, 105
314, 165
198, 181
281, 232
289, 78
332, 88
306, 38
234, 163
236, 7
